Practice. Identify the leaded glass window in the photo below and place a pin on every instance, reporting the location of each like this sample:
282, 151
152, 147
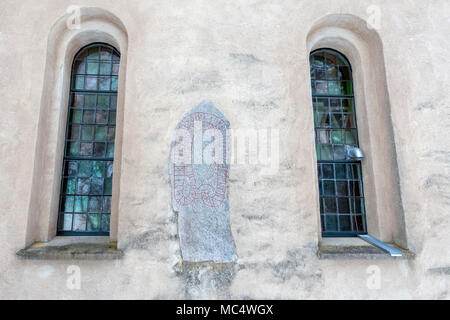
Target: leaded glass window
86, 186
342, 210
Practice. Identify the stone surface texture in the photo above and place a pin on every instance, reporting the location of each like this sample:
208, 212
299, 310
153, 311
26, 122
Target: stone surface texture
200, 188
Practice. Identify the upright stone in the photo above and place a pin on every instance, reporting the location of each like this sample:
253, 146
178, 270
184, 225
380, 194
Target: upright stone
199, 178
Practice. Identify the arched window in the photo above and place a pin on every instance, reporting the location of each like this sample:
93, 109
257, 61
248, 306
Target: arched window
86, 185
342, 210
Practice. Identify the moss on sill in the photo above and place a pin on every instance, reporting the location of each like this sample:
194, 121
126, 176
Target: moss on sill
72, 251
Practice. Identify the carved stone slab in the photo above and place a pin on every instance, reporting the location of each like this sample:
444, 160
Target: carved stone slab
200, 186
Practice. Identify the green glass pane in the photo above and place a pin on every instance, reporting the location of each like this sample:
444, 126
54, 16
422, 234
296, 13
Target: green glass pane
95, 204
340, 171
105, 68
321, 104
98, 169
93, 53
350, 137
328, 188
93, 223
112, 117
79, 82
312, 73
337, 137
89, 100
72, 148
69, 186
330, 222
110, 150
326, 152
87, 133
108, 186
103, 101
100, 133
334, 87
75, 116
81, 203
92, 68
114, 83
85, 169
105, 222
320, 188
67, 205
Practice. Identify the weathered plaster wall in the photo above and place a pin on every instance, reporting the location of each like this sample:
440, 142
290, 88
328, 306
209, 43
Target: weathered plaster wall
250, 58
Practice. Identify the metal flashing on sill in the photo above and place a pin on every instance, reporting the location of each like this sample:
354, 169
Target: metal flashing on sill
393, 252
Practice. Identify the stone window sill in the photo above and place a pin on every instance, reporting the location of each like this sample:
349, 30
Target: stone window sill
355, 249
73, 248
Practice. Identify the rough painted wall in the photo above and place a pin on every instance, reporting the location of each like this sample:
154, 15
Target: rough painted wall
249, 58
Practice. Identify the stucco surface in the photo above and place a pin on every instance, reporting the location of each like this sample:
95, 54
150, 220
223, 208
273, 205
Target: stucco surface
250, 58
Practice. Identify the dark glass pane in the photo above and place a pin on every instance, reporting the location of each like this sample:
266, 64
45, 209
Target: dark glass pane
344, 223
328, 172
343, 205
340, 171
329, 205
99, 149
341, 188
96, 186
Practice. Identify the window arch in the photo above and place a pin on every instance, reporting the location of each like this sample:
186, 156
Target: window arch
342, 208
86, 180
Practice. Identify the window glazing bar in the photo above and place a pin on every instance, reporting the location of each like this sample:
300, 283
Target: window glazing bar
380, 244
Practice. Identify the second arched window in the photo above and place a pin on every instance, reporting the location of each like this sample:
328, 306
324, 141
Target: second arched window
342, 209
